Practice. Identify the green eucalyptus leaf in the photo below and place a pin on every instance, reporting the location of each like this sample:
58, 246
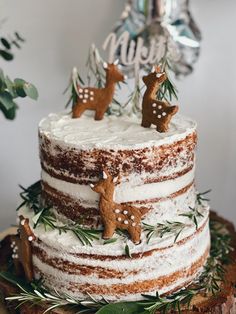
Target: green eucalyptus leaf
10, 113
8, 56
5, 43
19, 87
31, 91
122, 307
7, 101
10, 87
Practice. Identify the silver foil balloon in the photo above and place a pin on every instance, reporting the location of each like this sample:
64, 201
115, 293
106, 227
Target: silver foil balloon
167, 22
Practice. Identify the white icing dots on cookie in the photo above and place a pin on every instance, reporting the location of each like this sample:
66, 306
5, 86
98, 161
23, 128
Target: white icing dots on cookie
133, 224
119, 219
126, 222
154, 105
160, 106
91, 92
117, 211
125, 212
159, 116
154, 112
86, 96
164, 114
80, 90
84, 100
132, 217
86, 91
81, 96
91, 98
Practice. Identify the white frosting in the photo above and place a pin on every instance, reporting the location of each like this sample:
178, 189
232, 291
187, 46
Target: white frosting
112, 132
124, 192
158, 264
68, 243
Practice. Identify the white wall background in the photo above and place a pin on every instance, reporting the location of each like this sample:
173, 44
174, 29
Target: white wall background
58, 34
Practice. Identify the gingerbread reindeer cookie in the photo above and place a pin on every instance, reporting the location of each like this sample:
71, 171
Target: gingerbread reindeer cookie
117, 216
21, 249
155, 111
98, 99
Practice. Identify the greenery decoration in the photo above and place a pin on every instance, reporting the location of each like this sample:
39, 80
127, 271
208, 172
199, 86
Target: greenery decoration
209, 282
193, 215
7, 45
161, 229
10, 90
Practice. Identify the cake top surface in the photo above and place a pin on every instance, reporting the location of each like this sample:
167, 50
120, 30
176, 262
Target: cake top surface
124, 132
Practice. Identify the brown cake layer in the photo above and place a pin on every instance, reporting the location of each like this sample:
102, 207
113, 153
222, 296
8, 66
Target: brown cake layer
144, 286
83, 166
74, 210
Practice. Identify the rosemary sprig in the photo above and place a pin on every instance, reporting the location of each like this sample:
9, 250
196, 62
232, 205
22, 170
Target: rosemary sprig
162, 229
44, 216
193, 215
85, 235
166, 304
200, 197
214, 271
36, 294
30, 196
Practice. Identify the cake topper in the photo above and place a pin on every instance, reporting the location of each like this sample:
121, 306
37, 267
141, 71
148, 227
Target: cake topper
21, 247
117, 216
97, 99
154, 111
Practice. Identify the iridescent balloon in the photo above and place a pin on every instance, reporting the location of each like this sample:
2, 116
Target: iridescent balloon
153, 20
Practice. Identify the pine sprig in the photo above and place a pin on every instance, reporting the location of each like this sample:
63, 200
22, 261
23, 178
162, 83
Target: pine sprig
161, 229
193, 215
167, 89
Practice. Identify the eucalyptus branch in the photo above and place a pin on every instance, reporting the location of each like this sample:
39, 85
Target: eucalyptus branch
10, 90
161, 229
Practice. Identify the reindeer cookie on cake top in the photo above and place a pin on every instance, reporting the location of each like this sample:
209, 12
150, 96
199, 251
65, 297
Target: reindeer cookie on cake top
98, 99
156, 111
117, 216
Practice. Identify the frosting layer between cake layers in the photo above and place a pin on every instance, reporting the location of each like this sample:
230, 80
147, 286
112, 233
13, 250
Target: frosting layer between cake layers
155, 169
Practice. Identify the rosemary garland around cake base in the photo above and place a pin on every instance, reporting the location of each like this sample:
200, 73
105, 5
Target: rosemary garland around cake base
213, 292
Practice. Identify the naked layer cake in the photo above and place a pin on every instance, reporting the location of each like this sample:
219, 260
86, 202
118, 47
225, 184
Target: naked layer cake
155, 170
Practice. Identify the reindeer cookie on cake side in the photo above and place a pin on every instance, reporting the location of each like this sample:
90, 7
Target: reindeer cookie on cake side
117, 216
98, 99
155, 111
